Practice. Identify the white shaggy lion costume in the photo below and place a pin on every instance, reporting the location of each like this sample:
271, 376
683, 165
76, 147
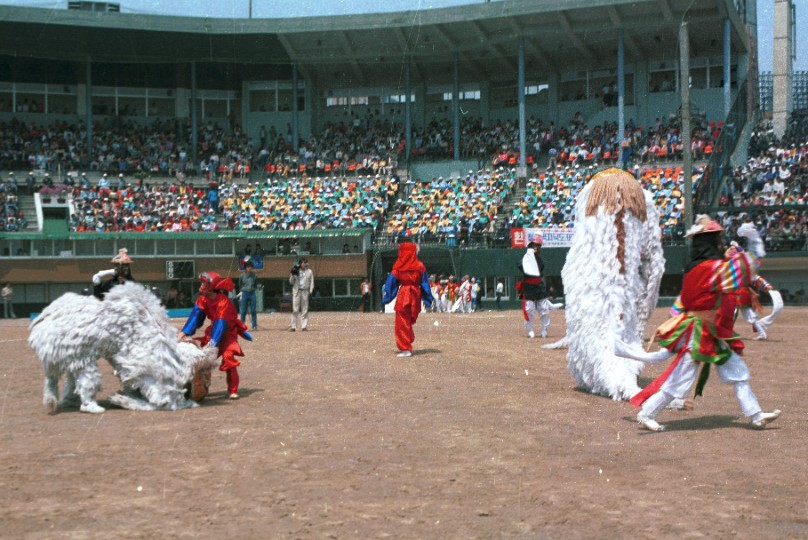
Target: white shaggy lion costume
611, 281
132, 331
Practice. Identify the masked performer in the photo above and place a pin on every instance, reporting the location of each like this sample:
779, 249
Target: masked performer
121, 273
408, 283
223, 332
702, 334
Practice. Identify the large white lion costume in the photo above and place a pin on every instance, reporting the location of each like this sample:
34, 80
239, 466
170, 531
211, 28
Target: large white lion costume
611, 281
133, 332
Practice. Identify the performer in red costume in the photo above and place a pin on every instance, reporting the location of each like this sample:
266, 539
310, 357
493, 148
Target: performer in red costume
409, 284
701, 335
223, 331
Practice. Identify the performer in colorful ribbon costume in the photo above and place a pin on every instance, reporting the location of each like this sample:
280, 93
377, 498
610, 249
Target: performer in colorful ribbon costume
747, 298
408, 283
223, 331
702, 333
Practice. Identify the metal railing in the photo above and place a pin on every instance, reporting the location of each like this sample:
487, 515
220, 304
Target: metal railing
719, 166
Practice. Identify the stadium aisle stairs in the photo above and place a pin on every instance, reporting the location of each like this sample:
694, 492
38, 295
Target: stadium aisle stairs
507, 205
27, 206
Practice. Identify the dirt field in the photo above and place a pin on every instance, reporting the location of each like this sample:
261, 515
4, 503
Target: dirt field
480, 434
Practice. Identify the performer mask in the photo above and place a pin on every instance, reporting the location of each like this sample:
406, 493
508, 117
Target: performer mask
212, 282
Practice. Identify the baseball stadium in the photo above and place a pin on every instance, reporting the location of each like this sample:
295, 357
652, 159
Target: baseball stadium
195, 150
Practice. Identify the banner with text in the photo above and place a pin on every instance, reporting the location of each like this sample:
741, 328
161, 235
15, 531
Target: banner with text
551, 237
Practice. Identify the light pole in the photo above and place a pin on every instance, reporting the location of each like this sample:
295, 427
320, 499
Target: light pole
687, 162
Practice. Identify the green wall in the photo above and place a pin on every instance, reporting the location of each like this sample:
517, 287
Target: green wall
504, 262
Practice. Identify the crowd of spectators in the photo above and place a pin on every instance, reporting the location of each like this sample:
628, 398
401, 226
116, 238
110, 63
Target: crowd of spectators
550, 196
123, 146
366, 145
361, 147
661, 142
451, 209
142, 207
11, 217
345, 176
308, 203
771, 188
775, 174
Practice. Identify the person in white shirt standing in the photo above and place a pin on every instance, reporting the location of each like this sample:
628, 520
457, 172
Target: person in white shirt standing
8, 298
302, 280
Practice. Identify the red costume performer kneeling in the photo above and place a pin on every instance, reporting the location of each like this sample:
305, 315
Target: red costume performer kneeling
409, 284
223, 332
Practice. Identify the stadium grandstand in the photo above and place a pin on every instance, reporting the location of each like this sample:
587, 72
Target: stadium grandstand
194, 142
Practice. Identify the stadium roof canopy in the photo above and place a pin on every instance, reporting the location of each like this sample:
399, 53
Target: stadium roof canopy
368, 50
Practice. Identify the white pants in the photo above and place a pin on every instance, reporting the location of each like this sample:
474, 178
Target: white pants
734, 371
435, 308
543, 307
444, 303
300, 306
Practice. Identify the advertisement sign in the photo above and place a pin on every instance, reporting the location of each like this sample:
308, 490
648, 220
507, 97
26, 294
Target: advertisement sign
550, 237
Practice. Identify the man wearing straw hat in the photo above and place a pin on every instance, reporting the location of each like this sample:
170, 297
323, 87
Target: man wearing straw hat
121, 273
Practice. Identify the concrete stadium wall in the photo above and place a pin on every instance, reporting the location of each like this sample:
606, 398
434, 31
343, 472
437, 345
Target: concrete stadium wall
435, 169
50, 277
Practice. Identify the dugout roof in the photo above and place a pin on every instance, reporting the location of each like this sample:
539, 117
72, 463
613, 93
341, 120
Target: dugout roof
369, 50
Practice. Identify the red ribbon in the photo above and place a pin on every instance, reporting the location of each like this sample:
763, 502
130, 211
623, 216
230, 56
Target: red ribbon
641, 396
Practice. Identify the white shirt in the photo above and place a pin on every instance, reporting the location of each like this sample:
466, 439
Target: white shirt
304, 281
529, 264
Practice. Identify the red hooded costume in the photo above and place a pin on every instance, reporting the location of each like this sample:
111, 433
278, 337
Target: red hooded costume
408, 283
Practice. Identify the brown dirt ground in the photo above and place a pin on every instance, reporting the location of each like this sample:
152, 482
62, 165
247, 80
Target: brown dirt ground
480, 434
